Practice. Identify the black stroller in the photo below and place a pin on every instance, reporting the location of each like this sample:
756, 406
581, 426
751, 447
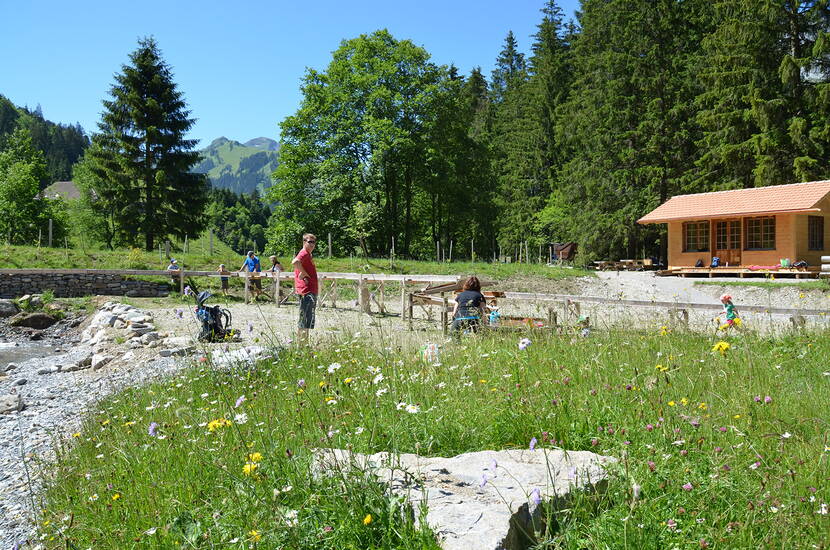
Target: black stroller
216, 322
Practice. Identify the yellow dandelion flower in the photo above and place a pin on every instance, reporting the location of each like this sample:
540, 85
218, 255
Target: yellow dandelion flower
254, 534
255, 457
721, 347
482, 381
76, 434
348, 380
249, 468
684, 401
300, 391
323, 384
214, 425
116, 496
672, 403
368, 519
105, 422
737, 321
737, 416
128, 424
702, 406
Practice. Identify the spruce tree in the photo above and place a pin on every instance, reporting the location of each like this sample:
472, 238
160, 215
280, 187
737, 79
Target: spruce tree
629, 123
143, 154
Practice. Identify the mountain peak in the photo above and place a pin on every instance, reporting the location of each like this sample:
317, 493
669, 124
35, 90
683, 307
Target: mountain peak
219, 141
263, 143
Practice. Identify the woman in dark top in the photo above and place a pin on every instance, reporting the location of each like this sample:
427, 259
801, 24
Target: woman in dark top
469, 306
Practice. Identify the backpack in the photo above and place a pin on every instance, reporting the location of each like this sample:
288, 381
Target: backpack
715, 261
699, 263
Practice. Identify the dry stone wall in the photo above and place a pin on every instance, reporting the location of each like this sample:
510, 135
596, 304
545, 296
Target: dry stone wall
76, 285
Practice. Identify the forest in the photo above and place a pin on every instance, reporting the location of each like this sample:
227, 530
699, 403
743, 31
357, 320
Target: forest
605, 118
571, 137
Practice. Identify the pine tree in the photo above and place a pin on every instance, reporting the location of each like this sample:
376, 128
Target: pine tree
629, 124
143, 154
510, 68
764, 110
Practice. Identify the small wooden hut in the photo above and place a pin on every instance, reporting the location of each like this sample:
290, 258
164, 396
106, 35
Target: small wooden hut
747, 228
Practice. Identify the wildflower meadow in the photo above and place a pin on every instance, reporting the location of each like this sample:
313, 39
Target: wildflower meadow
722, 443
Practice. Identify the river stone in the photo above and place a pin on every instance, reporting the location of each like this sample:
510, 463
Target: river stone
20, 382
11, 403
48, 370
467, 513
10, 367
8, 308
99, 360
33, 320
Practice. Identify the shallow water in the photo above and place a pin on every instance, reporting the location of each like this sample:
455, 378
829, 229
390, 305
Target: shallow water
15, 352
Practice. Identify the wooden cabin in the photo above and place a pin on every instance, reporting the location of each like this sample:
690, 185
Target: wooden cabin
747, 227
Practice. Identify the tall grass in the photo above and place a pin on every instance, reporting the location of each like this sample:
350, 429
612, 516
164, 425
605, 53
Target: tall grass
720, 449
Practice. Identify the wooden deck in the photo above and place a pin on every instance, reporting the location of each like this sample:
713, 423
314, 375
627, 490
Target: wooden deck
742, 272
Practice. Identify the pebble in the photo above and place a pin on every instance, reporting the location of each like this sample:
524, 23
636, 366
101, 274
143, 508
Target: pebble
55, 404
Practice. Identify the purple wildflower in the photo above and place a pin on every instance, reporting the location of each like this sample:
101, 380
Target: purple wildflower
239, 400
187, 290
301, 382
594, 441
535, 497
523, 343
250, 326
757, 398
179, 313
533, 444
649, 427
493, 465
151, 431
767, 399
651, 465
483, 481
688, 486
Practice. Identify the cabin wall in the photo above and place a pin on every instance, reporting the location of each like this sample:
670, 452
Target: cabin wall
788, 242
802, 251
678, 258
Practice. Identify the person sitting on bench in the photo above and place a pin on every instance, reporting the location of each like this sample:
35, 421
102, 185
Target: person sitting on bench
469, 306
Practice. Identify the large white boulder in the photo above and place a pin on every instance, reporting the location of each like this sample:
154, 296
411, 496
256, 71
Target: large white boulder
486, 500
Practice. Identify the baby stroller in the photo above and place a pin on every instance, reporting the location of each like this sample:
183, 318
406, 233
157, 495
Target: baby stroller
216, 322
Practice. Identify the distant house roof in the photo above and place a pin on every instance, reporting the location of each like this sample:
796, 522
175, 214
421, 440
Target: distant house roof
774, 199
67, 190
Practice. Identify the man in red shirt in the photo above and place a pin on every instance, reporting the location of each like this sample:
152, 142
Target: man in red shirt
305, 283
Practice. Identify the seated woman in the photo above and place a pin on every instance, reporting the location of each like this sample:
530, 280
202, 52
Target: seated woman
469, 306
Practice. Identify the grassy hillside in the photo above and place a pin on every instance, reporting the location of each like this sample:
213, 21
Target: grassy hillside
239, 167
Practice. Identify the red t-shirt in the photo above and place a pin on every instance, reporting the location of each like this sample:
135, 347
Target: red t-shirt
306, 286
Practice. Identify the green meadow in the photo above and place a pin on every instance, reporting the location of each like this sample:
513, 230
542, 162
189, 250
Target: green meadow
721, 444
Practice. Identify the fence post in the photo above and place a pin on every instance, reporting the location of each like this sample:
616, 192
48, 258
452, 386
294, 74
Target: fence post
329, 249
167, 249
50, 232
277, 287
247, 285
444, 314
186, 248
403, 298
211, 241
181, 280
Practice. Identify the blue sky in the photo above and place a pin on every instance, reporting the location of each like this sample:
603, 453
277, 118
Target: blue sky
239, 64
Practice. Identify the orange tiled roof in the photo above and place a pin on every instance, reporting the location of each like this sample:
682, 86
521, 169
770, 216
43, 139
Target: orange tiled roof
773, 199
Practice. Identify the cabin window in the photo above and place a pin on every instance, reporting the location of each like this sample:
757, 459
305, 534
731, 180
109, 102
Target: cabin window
815, 232
696, 237
760, 233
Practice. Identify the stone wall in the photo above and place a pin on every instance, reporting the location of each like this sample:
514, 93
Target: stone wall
76, 285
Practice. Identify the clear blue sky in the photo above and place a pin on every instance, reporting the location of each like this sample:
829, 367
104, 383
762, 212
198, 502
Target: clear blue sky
239, 64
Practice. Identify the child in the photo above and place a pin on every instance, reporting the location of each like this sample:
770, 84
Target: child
732, 319
223, 279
